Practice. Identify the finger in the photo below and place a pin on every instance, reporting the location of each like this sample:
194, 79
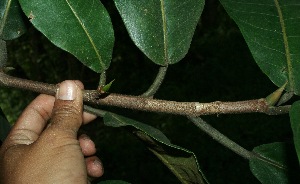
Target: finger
79, 84
94, 167
87, 145
88, 117
32, 121
67, 110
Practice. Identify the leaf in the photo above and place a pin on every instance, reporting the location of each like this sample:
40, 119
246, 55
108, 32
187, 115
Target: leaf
107, 86
273, 98
274, 164
4, 126
295, 123
113, 182
11, 22
271, 30
163, 29
82, 28
285, 97
181, 162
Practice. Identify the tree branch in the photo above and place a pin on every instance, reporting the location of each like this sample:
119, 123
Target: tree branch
149, 104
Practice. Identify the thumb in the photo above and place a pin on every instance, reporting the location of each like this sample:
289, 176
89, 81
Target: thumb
67, 110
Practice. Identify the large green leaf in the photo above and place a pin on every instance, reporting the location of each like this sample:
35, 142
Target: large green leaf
162, 29
82, 28
271, 30
11, 21
275, 163
295, 123
181, 162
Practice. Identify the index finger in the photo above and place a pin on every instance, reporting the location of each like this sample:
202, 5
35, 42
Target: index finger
32, 121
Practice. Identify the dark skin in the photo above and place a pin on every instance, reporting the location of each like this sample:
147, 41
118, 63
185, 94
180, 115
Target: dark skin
43, 146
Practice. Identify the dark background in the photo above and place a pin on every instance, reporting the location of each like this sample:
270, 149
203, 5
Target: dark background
219, 66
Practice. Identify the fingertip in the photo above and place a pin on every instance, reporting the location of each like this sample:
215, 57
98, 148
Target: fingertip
87, 145
94, 167
88, 117
68, 107
68, 90
79, 84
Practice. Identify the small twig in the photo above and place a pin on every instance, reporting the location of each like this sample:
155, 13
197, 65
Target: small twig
278, 110
221, 138
157, 82
149, 104
228, 143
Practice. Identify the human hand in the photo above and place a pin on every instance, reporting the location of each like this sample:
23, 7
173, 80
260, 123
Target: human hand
38, 152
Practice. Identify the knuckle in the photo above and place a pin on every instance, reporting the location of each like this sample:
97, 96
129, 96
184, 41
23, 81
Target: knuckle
67, 112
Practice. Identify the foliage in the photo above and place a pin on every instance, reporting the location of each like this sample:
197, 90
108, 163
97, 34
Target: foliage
92, 38
163, 31
272, 163
12, 25
153, 25
269, 29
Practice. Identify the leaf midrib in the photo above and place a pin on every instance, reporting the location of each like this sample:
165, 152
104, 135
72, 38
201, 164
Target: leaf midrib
164, 22
5, 15
286, 46
88, 35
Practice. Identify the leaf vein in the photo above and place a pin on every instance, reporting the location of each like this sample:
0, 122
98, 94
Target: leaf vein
5, 15
164, 31
286, 45
87, 33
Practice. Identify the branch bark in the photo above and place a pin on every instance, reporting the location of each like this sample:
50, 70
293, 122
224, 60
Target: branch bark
149, 104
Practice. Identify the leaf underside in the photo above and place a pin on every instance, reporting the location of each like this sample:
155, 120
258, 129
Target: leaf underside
82, 28
275, 163
181, 162
271, 30
295, 124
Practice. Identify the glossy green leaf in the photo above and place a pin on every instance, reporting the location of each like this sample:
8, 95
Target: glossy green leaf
271, 30
275, 163
181, 162
161, 29
82, 28
4, 126
295, 123
11, 21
